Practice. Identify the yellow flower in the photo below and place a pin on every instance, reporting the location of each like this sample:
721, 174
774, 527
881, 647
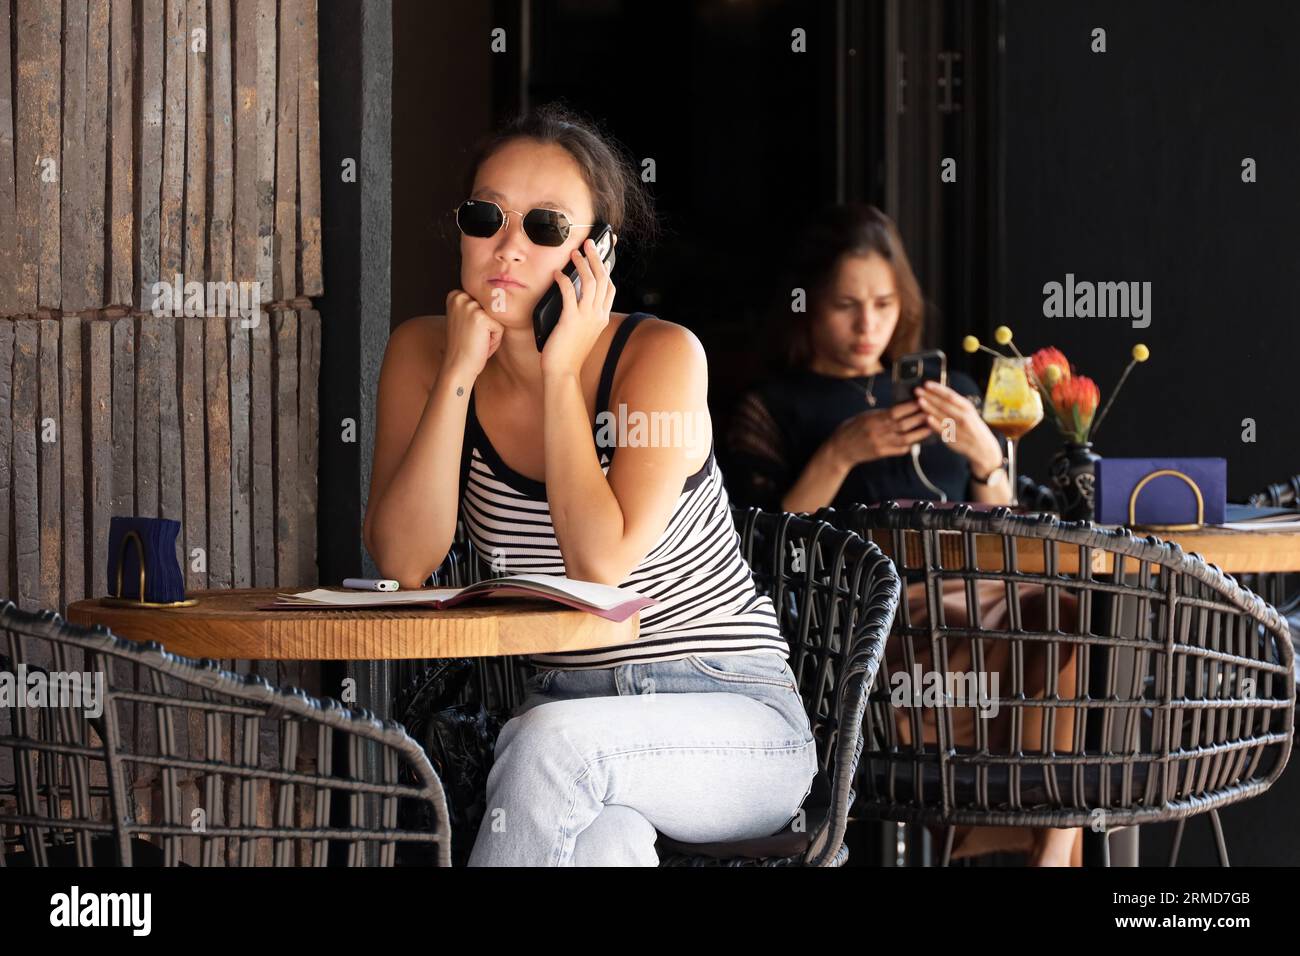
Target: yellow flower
1002, 335
1141, 353
970, 344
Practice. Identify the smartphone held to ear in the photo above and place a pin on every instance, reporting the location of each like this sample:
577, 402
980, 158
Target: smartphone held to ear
914, 369
546, 316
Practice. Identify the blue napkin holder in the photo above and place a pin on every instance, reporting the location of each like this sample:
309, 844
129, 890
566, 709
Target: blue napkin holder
142, 567
1167, 494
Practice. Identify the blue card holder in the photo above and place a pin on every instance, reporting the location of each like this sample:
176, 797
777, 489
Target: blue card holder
1170, 494
142, 566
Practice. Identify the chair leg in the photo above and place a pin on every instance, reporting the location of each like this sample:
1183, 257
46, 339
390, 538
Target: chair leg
1178, 842
1218, 838
948, 834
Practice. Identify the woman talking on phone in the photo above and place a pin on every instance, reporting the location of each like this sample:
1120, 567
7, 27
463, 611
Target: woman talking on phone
827, 430
696, 729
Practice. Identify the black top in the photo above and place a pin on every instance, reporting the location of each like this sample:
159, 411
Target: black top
779, 424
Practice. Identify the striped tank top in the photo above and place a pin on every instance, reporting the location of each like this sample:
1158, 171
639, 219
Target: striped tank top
707, 601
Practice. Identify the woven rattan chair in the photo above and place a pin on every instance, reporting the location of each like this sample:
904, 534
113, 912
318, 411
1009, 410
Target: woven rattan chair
1180, 708
1035, 497
841, 586
835, 595
247, 771
1281, 589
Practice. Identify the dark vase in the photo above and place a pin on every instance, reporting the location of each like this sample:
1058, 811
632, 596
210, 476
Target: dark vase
1074, 475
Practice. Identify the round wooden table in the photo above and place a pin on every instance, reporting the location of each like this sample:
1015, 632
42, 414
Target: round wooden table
226, 624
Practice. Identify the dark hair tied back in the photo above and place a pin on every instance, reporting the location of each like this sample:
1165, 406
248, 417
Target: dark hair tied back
618, 195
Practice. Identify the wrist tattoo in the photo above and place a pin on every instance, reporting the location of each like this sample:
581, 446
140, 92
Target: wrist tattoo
460, 390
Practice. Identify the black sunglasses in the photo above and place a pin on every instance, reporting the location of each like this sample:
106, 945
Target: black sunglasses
482, 219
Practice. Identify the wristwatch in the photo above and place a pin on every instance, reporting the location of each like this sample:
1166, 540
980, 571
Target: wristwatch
1001, 469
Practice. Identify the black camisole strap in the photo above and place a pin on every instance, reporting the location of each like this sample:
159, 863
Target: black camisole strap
611, 361
473, 429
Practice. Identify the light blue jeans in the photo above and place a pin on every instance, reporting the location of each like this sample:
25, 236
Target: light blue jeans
594, 762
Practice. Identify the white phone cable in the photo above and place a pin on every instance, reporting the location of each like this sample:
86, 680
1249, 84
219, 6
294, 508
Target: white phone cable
920, 473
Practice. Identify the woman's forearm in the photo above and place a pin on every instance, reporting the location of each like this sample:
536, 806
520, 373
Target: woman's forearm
818, 484
997, 494
585, 513
414, 519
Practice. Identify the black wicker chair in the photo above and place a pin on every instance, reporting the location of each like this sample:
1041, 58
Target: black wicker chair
1035, 497
846, 587
246, 770
1181, 709
835, 595
1281, 589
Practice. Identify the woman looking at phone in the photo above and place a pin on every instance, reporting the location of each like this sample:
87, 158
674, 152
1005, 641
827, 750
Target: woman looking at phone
696, 729
827, 431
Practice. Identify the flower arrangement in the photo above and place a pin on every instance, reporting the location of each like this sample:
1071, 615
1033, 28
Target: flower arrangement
1070, 398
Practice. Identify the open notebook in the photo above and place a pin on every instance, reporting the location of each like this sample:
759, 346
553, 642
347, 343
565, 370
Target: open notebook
603, 600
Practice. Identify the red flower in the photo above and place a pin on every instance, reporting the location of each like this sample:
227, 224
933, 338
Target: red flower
1050, 358
1075, 400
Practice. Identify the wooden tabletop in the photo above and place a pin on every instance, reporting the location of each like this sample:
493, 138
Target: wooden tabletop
1240, 552
226, 624
1233, 552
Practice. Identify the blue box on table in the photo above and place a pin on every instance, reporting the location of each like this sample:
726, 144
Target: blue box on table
142, 566
1161, 492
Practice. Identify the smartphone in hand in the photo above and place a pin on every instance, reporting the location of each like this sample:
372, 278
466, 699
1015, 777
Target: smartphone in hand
546, 316
912, 370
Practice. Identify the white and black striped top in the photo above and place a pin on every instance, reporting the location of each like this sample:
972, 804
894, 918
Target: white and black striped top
708, 603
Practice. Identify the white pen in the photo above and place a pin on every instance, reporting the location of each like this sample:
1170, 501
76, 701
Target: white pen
370, 584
